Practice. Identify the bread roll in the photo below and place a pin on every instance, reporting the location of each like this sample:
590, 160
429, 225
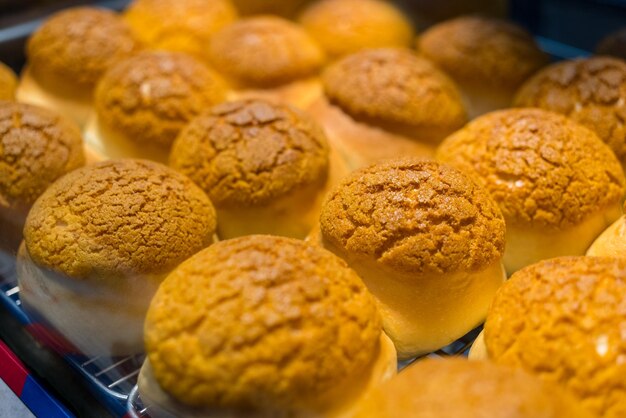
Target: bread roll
563, 320
143, 102
385, 103
557, 184
265, 166
591, 91
488, 58
270, 58
262, 326
343, 27
36, 147
179, 25
452, 388
426, 241
612, 242
100, 240
68, 54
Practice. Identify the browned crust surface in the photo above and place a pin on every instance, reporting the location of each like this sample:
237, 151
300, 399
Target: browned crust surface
150, 97
261, 323
564, 320
118, 219
541, 167
250, 152
414, 216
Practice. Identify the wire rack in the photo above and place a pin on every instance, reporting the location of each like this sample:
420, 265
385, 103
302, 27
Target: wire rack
114, 379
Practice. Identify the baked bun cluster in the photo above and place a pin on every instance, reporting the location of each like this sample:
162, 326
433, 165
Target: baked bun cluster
277, 201
68, 54
262, 326
98, 242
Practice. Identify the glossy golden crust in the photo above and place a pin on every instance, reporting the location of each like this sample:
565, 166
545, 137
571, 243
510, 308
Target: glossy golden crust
590, 91
250, 152
482, 50
345, 26
118, 219
36, 148
179, 25
394, 86
414, 216
150, 97
540, 167
452, 387
265, 51
564, 319
8, 83
78, 45
260, 322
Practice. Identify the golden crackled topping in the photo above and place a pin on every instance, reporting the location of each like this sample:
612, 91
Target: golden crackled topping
260, 323
118, 219
8, 83
36, 147
79, 44
454, 387
250, 152
179, 25
482, 50
590, 91
564, 319
345, 26
265, 51
414, 216
150, 97
394, 86
541, 167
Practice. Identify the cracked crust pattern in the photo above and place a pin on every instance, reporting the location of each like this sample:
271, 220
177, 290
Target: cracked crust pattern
452, 387
179, 25
150, 97
118, 219
80, 44
36, 148
8, 83
260, 322
590, 91
251, 152
415, 216
345, 26
265, 51
565, 320
541, 167
483, 50
394, 86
